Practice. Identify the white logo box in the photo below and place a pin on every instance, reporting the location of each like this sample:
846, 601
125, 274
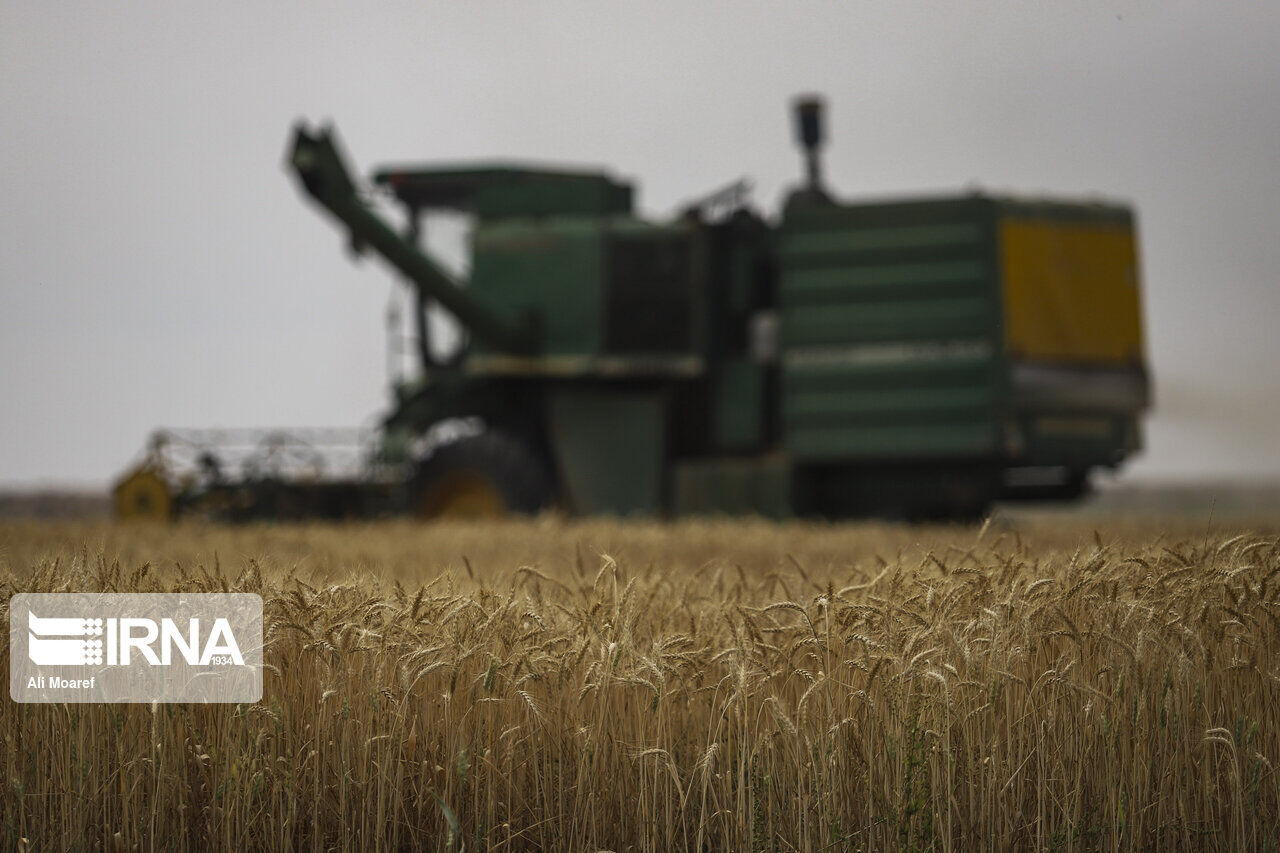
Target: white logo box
135, 647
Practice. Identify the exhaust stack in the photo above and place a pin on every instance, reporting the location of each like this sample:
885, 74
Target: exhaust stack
808, 115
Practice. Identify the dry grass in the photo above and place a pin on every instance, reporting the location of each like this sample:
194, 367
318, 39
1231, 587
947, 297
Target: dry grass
696, 686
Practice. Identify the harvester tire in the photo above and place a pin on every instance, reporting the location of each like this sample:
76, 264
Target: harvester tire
482, 476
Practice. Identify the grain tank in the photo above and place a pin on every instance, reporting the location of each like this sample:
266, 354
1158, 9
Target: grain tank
908, 357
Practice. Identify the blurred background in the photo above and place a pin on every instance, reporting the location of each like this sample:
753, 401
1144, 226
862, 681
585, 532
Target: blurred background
158, 268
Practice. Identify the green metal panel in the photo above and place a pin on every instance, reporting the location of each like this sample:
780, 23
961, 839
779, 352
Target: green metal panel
609, 444
877, 320
759, 485
497, 190
890, 316
551, 268
914, 237
938, 278
655, 288
542, 198
738, 406
917, 438
572, 274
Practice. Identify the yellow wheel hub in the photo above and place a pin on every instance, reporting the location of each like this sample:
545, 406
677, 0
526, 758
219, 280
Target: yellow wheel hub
463, 495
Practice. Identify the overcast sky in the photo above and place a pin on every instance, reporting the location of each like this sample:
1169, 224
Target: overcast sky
157, 266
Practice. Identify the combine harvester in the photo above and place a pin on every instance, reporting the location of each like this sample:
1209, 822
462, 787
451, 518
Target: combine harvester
913, 358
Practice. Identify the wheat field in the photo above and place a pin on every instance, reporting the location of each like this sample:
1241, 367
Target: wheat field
552, 685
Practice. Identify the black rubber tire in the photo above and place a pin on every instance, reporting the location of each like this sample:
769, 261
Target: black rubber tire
507, 464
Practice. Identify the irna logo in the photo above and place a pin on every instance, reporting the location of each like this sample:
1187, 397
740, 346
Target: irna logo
135, 647
77, 641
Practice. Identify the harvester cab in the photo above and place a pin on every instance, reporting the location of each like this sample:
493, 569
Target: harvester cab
602, 345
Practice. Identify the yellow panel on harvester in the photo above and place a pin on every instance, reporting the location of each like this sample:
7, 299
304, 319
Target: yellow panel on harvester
1070, 291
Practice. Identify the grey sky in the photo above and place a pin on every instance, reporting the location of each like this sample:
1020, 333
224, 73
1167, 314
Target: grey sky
157, 266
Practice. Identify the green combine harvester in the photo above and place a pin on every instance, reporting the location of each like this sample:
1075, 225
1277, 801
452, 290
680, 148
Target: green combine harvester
910, 358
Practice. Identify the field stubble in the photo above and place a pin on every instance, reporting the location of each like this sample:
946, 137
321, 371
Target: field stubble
713, 685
